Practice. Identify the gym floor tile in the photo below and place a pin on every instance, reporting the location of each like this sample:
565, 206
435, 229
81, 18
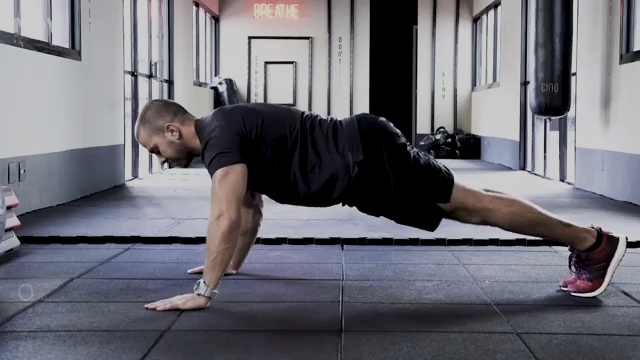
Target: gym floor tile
76, 345
626, 275
405, 272
290, 271
160, 256
268, 345
120, 290
413, 292
632, 290
47, 316
606, 320
65, 255
21, 290
113, 270
414, 346
43, 270
399, 257
554, 347
263, 317
423, 317
519, 273
510, 258
282, 291
279, 255
505, 293
631, 259
7, 310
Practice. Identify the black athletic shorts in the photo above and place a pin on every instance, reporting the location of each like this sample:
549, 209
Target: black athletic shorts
395, 180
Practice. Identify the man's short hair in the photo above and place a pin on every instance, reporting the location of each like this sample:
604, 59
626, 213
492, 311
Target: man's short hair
158, 112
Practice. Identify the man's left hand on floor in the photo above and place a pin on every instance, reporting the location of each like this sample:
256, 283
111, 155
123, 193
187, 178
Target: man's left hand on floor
180, 302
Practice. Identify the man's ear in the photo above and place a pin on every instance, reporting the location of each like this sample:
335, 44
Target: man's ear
172, 131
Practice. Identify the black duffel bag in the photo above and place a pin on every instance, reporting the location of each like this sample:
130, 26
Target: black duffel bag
440, 145
225, 91
468, 145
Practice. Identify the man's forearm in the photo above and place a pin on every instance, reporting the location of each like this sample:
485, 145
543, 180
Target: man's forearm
250, 226
222, 237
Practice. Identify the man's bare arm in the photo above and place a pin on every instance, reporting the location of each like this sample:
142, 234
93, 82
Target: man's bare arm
251, 220
229, 186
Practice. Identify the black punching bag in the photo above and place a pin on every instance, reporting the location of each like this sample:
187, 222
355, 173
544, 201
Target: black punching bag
552, 50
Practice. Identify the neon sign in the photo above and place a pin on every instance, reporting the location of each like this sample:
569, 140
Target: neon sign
276, 11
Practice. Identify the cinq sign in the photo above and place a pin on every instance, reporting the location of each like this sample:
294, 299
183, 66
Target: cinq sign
276, 11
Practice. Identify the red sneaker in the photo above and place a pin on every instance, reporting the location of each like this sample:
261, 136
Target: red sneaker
564, 284
594, 270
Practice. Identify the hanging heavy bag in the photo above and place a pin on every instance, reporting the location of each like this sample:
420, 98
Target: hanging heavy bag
550, 94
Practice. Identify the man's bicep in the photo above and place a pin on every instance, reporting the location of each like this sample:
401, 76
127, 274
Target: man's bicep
228, 190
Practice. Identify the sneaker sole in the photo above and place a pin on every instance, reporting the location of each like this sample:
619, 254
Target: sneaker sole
617, 258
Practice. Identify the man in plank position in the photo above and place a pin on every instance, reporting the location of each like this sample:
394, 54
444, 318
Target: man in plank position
363, 161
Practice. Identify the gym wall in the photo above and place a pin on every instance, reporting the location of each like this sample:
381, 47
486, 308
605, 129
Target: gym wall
447, 95
237, 24
197, 100
607, 107
63, 117
607, 150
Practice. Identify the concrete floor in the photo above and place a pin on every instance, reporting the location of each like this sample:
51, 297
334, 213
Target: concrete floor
176, 204
310, 302
313, 302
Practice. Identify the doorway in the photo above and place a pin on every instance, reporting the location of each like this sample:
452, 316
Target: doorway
550, 142
391, 60
148, 72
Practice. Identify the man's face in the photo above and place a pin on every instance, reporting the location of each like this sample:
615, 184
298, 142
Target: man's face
170, 147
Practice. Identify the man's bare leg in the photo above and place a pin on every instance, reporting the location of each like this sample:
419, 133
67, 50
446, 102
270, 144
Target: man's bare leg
492, 208
595, 254
251, 220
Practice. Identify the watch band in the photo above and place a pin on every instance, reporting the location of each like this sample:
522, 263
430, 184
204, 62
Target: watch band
201, 288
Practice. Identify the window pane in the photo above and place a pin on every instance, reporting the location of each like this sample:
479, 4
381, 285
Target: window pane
156, 90
128, 126
478, 52
33, 19
213, 51
156, 37
143, 36
208, 44
635, 26
483, 68
165, 39
202, 45
6, 16
490, 45
498, 41
143, 98
127, 34
61, 22
195, 42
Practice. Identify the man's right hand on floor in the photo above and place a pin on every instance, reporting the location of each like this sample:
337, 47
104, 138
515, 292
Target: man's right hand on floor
199, 269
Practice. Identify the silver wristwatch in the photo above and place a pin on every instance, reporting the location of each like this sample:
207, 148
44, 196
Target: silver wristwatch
201, 288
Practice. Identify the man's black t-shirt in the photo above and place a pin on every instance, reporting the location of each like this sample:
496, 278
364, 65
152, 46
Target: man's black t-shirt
293, 157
